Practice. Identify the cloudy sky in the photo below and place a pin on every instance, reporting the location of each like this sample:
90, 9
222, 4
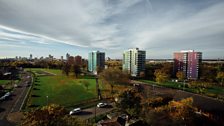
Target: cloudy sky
42, 27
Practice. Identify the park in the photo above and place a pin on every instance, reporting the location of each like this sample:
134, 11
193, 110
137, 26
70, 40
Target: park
50, 86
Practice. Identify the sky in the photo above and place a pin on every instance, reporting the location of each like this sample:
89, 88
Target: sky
77, 27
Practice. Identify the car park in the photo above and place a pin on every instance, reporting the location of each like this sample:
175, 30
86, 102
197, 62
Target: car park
75, 111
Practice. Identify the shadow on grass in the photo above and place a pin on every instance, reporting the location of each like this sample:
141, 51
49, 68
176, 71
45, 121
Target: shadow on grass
36, 89
37, 84
35, 96
86, 77
36, 80
83, 113
33, 106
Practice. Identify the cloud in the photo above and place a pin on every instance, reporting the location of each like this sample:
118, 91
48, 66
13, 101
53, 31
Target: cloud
79, 23
115, 25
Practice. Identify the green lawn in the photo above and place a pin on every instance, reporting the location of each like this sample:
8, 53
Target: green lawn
60, 89
166, 84
2, 82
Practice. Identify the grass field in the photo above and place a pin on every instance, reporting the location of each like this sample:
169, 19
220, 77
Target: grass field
2, 82
59, 89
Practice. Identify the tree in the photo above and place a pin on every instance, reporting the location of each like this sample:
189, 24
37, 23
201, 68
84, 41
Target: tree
66, 68
52, 115
99, 70
167, 68
208, 72
174, 113
85, 83
130, 103
114, 76
161, 76
180, 75
77, 70
200, 86
142, 74
220, 77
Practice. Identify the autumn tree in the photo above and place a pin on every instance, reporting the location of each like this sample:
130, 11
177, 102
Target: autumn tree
220, 77
180, 75
142, 74
200, 86
76, 70
174, 113
164, 73
130, 103
208, 72
161, 76
52, 115
66, 68
114, 76
167, 68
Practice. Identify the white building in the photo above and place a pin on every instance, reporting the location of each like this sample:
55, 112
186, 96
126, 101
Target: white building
134, 61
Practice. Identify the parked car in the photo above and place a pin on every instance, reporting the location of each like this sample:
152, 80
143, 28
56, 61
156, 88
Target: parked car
75, 111
7, 94
101, 105
2, 98
124, 116
15, 85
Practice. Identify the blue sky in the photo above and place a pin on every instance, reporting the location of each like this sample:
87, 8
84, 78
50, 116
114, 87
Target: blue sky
161, 27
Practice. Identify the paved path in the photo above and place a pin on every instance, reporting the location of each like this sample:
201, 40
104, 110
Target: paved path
15, 101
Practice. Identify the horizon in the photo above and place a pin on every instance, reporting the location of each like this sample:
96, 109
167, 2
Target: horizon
82, 26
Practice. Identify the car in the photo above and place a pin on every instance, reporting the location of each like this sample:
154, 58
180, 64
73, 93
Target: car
75, 111
124, 116
15, 85
101, 105
7, 94
2, 98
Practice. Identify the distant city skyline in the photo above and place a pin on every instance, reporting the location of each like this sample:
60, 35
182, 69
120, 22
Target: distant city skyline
78, 27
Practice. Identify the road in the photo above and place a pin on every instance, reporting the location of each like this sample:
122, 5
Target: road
90, 112
15, 101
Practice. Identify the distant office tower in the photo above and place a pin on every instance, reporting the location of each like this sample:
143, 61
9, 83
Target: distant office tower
62, 58
31, 56
67, 56
188, 62
78, 60
96, 60
134, 61
50, 57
